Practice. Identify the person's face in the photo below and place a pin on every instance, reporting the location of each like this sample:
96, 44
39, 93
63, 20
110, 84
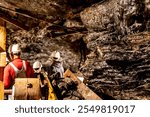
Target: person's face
37, 70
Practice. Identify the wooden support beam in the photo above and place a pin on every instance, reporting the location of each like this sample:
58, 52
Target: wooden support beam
2, 55
2, 36
14, 22
85, 91
1, 90
2, 47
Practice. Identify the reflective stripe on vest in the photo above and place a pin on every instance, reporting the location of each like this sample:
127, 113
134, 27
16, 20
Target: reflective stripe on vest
16, 69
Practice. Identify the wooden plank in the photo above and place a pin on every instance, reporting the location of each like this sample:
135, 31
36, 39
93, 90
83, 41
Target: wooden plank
2, 59
2, 47
2, 35
1, 73
27, 89
85, 91
23, 91
14, 22
1, 91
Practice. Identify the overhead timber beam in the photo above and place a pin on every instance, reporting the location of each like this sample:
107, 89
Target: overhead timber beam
29, 14
14, 22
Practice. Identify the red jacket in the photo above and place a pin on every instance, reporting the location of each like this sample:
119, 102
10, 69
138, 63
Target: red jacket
9, 73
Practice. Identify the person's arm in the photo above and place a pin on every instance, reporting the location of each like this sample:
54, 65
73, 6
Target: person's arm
7, 78
29, 71
32, 72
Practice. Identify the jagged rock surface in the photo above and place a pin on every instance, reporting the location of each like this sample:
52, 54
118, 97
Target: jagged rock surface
119, 68
106, 40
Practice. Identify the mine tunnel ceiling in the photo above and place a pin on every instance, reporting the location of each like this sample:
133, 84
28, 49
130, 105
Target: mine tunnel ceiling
22, 12
109, 43
18, 12
12, 16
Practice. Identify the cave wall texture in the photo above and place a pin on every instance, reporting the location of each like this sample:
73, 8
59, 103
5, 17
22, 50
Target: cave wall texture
108, 41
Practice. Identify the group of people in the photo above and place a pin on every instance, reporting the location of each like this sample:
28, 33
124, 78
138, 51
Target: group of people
18, 68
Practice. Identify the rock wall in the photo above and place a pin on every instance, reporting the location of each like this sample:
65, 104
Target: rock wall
119, 68
105, 40
99, 17
133, 16
38, 44
118, 61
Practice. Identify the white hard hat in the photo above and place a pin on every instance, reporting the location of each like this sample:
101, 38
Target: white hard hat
37, 65
15, 48
56, 56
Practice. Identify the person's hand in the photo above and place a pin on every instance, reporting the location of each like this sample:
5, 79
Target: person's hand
54, 83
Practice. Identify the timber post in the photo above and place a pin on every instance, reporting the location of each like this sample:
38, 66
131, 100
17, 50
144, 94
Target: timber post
2, 55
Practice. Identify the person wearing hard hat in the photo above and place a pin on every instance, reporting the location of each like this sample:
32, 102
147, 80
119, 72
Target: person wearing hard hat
56, 73
38, 72
16, 68
57, 65
37, 67
46, 87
